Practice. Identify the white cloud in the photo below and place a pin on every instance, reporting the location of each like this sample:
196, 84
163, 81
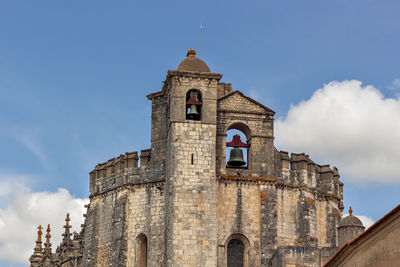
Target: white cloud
349, 125
8, 182
367, 221
26, 210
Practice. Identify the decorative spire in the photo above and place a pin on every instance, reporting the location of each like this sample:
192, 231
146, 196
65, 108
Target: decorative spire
38, 247
47, 245
38, 250
67, 233
351, 211
39, 238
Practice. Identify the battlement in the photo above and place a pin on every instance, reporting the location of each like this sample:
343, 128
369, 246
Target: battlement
300, 170
122, 162
122, 170
113, 165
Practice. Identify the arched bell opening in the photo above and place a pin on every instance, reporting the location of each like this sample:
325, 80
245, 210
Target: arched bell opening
141, 250
237, 146
193, 105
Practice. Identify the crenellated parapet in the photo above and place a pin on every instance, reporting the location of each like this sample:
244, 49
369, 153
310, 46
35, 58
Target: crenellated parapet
113, 165
299, 170
124, 170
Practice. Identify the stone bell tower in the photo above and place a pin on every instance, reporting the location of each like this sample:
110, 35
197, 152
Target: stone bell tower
190, 184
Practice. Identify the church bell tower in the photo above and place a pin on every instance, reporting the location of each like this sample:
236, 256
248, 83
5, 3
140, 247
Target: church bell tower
191, 232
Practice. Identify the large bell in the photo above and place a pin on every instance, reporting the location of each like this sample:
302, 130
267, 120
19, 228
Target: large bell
236, 157
193, 113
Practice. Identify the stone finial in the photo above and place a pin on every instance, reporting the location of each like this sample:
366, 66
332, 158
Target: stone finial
37, 251
38, 247
351, 211
67, 220
67, 226
39, 238
191, 53
47, 245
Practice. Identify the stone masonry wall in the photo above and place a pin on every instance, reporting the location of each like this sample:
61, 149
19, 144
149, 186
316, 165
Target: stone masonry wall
238, 213
159, 129
269, 220
145, 215
300, 256
191, 195
105, 241
122, 193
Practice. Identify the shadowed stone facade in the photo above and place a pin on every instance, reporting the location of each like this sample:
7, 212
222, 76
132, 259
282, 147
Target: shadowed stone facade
183, 206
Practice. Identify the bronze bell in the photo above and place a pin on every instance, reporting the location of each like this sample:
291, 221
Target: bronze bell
193, 113
236, 157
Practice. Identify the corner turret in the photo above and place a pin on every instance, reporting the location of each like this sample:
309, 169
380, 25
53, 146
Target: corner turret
349, 228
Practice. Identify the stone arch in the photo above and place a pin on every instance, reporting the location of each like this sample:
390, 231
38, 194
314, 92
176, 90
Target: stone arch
245, 130
242, 246
141, 250
194, 102
241, 127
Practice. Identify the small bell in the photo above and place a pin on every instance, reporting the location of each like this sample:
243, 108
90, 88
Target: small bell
193, 113
236, 157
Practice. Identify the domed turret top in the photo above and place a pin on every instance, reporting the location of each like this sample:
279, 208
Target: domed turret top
351, 220
192, 63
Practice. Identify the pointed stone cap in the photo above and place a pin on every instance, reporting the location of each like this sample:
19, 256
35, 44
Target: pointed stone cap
192, 63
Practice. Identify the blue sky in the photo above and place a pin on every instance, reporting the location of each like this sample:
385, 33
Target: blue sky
74, 76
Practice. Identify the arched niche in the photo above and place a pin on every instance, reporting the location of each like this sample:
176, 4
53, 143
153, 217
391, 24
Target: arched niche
237, 251
141, 250
194, 104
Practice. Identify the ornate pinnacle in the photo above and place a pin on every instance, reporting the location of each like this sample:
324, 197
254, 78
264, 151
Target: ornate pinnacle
39, 238
67, 220
351, 211
38, 247
67, 234
47, 245
38, 250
